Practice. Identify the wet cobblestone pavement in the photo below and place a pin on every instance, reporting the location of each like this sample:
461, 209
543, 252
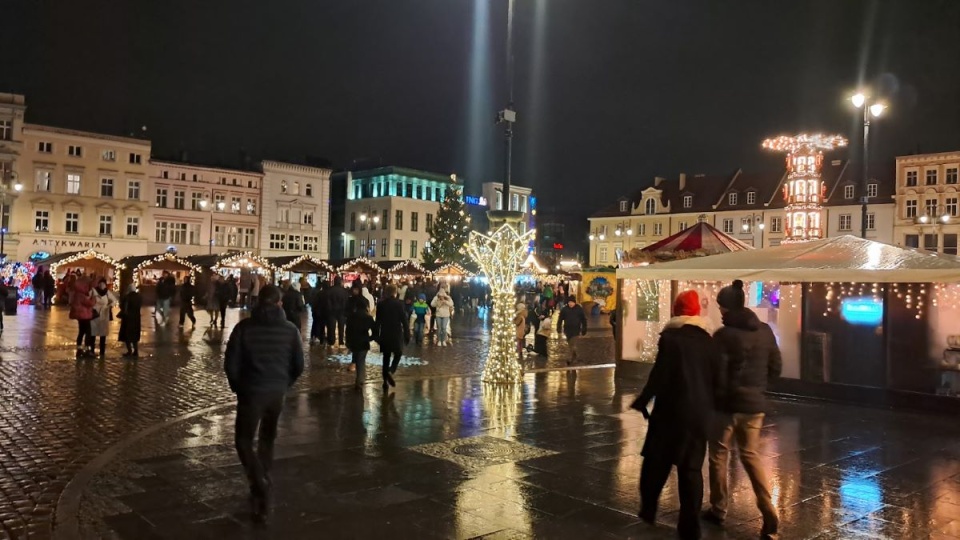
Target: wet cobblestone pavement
57, 414
447, 457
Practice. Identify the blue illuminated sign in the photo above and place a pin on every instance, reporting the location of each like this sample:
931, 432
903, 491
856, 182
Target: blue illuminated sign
863, 311
474, 200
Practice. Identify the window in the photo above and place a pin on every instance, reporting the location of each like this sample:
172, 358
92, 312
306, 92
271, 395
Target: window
657, 229
363, 222
776, 224
106, 187
77, 151
751, 197
108, 155
41, 221
133, 190
623, 206
161, 231
178, 233
133, 227
413, 249
44, 181
732, 199
73, 183
363, 248
296, 188
250, 238
72, 223
179, 199
195, 199
871, 190
293, 242
106, 225
398, 219
308, 217
398, 248
162, 197
642, 229
746, 225
164, 174
353, 221
688, 201
911, 178
373, 247
847, 192
385, 220
728, 226
871, 222
383, 248
251, 206
930, 207
951, 206
136, 159
931, 177
6, 130
650, 207
218, 235
952, 175
930, 242
308, 190
183, 176
283, 186
235, 182
429, 222
197, 177
235, 204
846, 222
278, 241
414, 219
45, 147
911, 208
682, 226
950, 244
353, 247
602, 254
911, 241
217, 199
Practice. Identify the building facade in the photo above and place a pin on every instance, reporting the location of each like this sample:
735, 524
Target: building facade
745, 206
296, 210
196, 209
80, 191
12, 109
389, 210
927, 201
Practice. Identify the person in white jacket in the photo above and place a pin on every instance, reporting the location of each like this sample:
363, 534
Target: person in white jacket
443, 308
103, 302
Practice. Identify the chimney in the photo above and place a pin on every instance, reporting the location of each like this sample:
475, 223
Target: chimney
657, 180
683, 181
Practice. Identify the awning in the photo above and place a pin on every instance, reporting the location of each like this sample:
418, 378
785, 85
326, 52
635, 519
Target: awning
701, 237
838, 259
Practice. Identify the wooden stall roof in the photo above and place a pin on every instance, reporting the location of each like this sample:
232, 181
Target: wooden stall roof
404, 267
159, 259
449, 269
360, 264
304, 264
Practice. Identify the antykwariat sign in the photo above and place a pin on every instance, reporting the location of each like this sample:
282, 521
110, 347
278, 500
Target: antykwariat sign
79, 244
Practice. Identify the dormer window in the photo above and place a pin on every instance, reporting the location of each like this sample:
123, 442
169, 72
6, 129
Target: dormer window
688, 201
751, 197
732, 199
651, 206
623, 206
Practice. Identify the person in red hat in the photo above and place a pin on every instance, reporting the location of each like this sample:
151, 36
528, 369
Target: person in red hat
681, 385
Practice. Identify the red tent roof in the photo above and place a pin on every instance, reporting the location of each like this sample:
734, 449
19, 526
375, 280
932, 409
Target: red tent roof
699, 237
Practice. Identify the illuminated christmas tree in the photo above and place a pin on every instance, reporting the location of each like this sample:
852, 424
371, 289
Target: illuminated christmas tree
449, 232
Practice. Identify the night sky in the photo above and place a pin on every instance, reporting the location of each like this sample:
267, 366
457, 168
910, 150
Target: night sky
608, 91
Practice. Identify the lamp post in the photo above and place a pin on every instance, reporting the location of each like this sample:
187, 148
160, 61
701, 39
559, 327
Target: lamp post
373, 218
941, 216
6, 184
870, 108
597, 234
220, 205
756, 220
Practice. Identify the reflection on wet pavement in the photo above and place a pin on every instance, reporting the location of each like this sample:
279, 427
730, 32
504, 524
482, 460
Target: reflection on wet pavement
558, 458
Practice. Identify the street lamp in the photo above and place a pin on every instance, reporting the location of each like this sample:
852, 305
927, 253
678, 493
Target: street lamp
941, 216
623, 228
870, 108
373, 218
754, 220
6, 184
220, 205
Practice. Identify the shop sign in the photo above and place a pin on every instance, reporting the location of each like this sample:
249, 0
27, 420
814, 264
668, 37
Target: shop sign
79, 244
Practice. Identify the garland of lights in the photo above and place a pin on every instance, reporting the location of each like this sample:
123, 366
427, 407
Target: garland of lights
243, 259
22, 274
310, 258
451, 271
91, 254
411, 263
348, 266
499, 256
165, 257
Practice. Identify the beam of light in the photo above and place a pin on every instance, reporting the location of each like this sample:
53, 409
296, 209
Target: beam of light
535, 97
480, 97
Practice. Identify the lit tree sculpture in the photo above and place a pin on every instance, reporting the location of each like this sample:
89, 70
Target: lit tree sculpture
804, 190
499, 256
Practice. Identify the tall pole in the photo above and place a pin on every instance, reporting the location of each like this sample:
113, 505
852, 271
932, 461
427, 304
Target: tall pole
211, 231
508, 177
863, 180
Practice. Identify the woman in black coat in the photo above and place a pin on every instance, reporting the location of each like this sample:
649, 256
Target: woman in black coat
359, 333
129, 316
392, 331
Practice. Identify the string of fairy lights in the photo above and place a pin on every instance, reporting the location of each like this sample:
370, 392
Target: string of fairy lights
165, 257
88, 255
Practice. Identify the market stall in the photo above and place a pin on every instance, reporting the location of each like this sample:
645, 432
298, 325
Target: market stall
232, 265
408, 269
450, 272
294, 267
145, 271
847, 313
699, 240
83, 263
352, 269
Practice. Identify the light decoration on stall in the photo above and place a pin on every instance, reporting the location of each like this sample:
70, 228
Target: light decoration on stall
349, 266
451, 272
533, 264
91, 254
804, 189
947, 294
244, 260
394, 270
913, 295
308, 258
499, 255
22, 276
166, 257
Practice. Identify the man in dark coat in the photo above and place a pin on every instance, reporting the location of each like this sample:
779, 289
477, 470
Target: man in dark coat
166, 288
573, 323
681, 382
319, 314
187, 292
293, 305
335, 300
264, 358
392, 331
750, 358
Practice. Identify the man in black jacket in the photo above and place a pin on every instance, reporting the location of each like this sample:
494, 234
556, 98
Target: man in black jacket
264, 358
335, 300
187, 292
572, 322
682, 384
750, 358
392, 331
166, 287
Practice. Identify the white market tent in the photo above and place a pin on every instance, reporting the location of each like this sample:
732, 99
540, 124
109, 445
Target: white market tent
837, 259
